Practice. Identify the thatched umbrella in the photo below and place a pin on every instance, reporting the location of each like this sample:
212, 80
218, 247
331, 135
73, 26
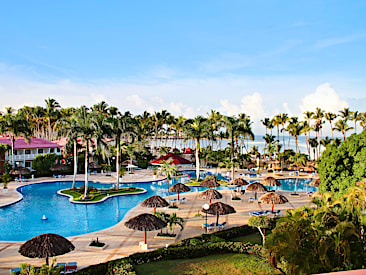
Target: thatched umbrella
270, 181
19, 171
210, 194
256, 187
210, 181
145, 222
309, 168
154, 201
45, 246
219, 208
179, 187
315, 183
240, 182
59, 167
94, 165
128, 161
273, 198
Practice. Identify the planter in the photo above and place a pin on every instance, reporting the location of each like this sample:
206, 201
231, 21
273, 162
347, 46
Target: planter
97, 247
5, 190
155, 177
166, 237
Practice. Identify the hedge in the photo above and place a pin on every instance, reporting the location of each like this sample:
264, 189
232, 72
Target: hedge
200, 246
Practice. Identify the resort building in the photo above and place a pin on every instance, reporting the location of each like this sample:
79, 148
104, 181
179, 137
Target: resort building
25, 153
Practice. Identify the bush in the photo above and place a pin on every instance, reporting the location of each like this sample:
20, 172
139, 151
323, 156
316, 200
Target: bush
42, 164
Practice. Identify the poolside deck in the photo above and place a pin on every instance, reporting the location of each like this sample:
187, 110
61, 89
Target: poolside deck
122, 241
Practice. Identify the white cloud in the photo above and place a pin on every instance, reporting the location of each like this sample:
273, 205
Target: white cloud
325, 97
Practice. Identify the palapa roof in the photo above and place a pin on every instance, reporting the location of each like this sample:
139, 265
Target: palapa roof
94, 165
46, 245
315, 183
20, 170
209, 181
219, 208
273, 198
21, 143
154, 201
310, 168
179, 187
145, 222
210, 194
127, 162
240, 182
270, 181
256, 187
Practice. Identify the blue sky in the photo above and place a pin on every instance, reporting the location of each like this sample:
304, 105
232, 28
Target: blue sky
258, 57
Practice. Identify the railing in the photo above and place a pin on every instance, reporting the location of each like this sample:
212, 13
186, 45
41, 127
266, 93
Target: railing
26, 156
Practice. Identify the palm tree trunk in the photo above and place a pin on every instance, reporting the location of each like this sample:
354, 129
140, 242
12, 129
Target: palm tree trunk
86, 168
197, 159
117, 160
12, 151
75, 164
232, 156
297, 145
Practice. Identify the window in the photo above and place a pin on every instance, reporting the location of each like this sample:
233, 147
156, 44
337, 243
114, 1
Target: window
40, 151
27, 151
58, 150
15, 152
52, 150
28, 164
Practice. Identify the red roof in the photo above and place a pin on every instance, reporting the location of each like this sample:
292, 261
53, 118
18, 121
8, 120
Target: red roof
20, 143
177, 160
188, 151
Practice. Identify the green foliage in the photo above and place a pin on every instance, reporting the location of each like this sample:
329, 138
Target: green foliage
97, 194
6, 178
329, 237
42, 164
341, 167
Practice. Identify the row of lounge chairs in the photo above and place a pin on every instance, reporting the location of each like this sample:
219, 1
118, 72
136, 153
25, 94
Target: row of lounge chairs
68, 268
213, 226
264, 213
59, 176
183, 200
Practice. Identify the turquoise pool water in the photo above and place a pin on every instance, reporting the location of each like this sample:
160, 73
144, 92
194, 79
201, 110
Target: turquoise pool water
22, 221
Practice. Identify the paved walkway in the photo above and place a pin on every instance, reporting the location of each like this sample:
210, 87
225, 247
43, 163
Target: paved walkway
122, 241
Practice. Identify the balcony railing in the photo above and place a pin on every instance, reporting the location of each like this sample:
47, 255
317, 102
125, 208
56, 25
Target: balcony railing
26, 156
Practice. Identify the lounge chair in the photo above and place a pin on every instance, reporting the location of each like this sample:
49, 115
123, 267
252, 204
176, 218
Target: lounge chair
212, 226
222, 226
251, 200
205, 225
17, 179
71, 267
15, 270
63, 175
62, 271
310, 193
257, 213
55, 176
183, 200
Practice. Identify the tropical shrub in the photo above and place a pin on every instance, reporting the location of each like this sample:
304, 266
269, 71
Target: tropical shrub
330, 237
341, 167
42, 164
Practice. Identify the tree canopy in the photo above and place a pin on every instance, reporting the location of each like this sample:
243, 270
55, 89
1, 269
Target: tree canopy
342, 166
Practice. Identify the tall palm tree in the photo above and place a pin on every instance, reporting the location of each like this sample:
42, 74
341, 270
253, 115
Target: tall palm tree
233, 128
330, 117
313, 142
245, 130
276, 121
50, 111
68, 127
305, 130
283, 120
196, 129
295, 130
266, 123
342, 127
170, 171
356, 116
14, 125
345, 114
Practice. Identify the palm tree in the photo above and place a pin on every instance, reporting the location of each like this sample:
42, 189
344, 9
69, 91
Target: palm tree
330, 117
196, 129
325, 141
170, 171
345, 114
266, 123
276, 121
245, 130
175, 220
68, 127
233, 128
283, 120
313, 142
342, 127
15, 126
50, 111
356, 116
295, 130
306, 129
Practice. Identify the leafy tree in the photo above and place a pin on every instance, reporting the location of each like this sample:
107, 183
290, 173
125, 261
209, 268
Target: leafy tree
341, 167
42, 164
6, 178
261, 223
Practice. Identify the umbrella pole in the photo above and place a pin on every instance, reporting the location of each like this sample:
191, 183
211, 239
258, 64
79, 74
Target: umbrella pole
210, 201
178, 196
272, 207
217, 219
255, 195
145, 237
47, 263
154, 210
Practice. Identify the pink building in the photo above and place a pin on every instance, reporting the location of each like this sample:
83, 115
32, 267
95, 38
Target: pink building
24, 153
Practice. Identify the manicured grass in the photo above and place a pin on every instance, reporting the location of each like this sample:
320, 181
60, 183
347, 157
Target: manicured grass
255, 238
214, 264
197, 183
97, 195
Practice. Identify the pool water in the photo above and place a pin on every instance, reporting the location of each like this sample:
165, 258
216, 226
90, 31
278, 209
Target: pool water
22, 221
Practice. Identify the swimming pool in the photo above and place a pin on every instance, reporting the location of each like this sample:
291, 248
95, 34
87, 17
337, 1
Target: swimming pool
22, 221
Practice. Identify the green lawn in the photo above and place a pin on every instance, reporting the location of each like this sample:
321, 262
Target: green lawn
214, 264
255, 238
97, 195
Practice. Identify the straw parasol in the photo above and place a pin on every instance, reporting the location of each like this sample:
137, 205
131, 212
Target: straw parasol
45, 246
270, 181
273, 198
309, 168
59, 167
154, 201
315, 183
94, 165
145, 222
210, 194
179, 187
210, 181
239, 182
20, 170
256, 187
128, 161
219, 208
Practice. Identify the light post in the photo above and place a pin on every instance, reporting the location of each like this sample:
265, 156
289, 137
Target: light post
206, 206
